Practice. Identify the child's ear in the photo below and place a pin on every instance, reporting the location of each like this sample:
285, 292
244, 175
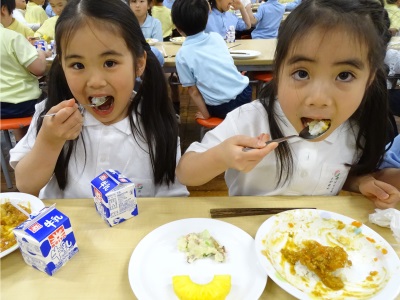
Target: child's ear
141, 64
4, 11
371, 79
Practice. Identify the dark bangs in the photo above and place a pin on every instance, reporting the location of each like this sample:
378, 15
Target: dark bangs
341, 15
80, 13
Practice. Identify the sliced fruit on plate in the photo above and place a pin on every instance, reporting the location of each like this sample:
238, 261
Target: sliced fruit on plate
216, 289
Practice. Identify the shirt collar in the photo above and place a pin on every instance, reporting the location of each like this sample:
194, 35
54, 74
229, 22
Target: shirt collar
123, 125
198, 37
217, 12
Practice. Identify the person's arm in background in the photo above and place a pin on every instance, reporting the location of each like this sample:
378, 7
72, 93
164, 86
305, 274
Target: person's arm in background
237, 5
249, 10
38, 66
292, 5
197, 98
158, 54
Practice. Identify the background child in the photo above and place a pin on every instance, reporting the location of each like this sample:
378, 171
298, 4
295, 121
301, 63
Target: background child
11, 23
151, 27
49, 11
310, 83
162, 13
168, 3
204, 64
19, 14
220, 18
35, 12
393, 9
100, 52
267, 19
20, 63
48, 27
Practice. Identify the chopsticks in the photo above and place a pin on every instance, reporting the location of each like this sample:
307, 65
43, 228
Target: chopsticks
243, 53
48, 115
234, 46
165, 53
238, 212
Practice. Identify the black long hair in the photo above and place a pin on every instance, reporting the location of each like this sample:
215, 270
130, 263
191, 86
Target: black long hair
365, 20
151, 104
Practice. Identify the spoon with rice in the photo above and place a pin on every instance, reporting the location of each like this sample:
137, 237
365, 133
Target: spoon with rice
314, 130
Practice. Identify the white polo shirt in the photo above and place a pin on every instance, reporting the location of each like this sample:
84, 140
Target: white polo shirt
319, 167
107, 147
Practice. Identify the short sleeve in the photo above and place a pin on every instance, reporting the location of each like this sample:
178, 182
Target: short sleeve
24, 52
186, 77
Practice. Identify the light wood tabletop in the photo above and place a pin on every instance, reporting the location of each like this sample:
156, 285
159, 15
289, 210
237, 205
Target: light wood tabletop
263, 62
100, 269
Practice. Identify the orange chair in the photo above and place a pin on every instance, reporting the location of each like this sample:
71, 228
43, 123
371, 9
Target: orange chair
261, 78
207, 124
5, 126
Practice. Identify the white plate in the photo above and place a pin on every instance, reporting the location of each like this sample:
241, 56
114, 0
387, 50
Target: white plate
178, 40
25, 199
151, 42
157, 258
244, 54
322, 226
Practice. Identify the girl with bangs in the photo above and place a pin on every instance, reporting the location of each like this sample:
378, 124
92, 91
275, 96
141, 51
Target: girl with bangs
93, 119
328, 66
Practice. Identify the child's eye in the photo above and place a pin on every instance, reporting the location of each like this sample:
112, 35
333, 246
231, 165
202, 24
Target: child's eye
345, 76
110, 63
77, 66
300, 75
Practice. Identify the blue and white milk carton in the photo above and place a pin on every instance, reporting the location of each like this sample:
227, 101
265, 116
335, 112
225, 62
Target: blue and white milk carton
114, 197
46, 241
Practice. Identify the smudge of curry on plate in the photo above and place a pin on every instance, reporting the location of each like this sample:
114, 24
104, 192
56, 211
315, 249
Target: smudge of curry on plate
322, 260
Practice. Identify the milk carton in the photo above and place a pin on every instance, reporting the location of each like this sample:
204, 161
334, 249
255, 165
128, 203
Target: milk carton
46, 241
114, 197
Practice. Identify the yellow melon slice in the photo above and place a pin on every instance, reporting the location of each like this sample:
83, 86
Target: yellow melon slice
216, 289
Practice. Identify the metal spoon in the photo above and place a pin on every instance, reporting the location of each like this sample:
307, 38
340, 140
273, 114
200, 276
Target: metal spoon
97, 102
304, 134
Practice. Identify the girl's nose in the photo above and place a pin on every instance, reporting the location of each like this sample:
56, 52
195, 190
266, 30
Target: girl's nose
96, 80
319, 95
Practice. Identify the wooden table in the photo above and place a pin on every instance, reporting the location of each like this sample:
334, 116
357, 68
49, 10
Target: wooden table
264, 62
91, 274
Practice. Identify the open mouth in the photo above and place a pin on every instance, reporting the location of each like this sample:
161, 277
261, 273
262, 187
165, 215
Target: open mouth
316, 126
306, 121
102, 103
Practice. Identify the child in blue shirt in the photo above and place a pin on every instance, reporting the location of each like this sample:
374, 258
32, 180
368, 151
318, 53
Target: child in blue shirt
392, 156
150, 26
204, 64
220, 18
267, 19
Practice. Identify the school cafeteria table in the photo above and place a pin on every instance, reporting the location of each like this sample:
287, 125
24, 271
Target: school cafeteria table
263, 62
100, 269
